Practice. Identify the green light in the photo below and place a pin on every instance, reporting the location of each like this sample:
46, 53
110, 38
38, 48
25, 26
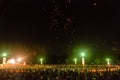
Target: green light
4, 54
41, 59
82, 54
75, 59
107, 59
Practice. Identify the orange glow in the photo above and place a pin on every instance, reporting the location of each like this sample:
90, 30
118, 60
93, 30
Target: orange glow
11, 61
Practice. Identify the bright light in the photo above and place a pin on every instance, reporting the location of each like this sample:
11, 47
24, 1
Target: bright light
83, 59
4, 60
4, 57
82, 54
4, 54
41, 61
108, 61
75, 60
11, 61
19, 59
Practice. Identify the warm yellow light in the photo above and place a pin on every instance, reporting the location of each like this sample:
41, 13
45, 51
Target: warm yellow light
19, 59
11, 61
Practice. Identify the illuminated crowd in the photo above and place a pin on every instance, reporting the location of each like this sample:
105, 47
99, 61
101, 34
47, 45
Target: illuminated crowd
13, 70
59, 72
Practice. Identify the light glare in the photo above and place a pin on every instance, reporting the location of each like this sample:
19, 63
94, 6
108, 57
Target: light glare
19, 59
11, 61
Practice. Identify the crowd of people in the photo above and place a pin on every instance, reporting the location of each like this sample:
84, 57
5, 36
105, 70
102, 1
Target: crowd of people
58, 72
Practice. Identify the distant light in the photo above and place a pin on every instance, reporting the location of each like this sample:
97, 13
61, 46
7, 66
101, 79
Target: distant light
24, 63
11, 61
83, 59
75, 60
69, 1
4, 60
19, 59
4, 54
94, 4
41, 61
82, 54
108, 61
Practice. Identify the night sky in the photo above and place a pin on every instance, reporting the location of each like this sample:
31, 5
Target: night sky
55, 28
